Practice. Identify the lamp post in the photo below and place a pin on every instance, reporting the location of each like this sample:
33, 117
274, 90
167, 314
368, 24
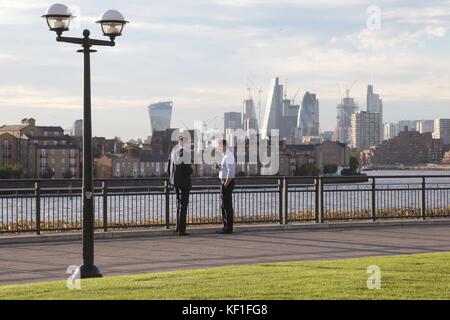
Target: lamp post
58, 18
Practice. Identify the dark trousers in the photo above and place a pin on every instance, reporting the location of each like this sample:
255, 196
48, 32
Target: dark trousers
227, 206
182, 207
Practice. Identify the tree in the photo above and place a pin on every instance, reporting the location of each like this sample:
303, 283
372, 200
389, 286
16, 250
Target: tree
67, 174
330, 168
47, 173
307, 169
132, 150
352, 170
12, 172
5, 173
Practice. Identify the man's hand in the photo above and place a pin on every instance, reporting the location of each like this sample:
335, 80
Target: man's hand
227, 182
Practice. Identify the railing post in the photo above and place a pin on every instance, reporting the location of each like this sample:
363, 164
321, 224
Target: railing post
286, 200
167, 203
321, 200
105, 205
424, 195
280, 200
374, 203
285, 205
317, 199
37, 192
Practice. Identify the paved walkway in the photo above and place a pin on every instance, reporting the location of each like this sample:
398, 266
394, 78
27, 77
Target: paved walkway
48, 261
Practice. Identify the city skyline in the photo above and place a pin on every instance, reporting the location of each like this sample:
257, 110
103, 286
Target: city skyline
230, 46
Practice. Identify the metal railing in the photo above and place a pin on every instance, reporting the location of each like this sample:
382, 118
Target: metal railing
55, 205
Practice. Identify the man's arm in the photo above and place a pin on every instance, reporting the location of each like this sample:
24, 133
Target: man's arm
227, 178
169, 163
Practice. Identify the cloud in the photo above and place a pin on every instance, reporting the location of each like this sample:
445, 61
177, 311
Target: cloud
200, 54
436, 32
248, 3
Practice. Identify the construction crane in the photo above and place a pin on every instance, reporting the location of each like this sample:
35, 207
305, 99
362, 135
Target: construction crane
339, 90
285, 89
349, 89
249, 92
295, 96
259, 107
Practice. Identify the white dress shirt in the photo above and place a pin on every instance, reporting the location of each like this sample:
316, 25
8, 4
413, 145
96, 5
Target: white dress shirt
227, 166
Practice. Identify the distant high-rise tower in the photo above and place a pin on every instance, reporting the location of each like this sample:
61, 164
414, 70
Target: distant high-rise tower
77, 130
248, 111
288, 126
232, 120
391, 130
249, 120
308, 117
410, 124
160, 115
424, 126
344, 119
442, 130
365, 129
375, 105
272, 117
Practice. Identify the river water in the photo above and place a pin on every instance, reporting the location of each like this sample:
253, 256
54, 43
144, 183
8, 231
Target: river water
250, 205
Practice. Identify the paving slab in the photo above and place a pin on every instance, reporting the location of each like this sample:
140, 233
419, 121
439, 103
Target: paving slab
34, 262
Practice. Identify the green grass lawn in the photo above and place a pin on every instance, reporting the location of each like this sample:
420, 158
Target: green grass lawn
421, 276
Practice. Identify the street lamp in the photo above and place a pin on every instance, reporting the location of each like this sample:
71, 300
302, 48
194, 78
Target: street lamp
58, 18
112, 23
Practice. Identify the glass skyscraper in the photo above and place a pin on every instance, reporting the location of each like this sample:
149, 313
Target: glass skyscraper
272, 116
308, 117
160, 115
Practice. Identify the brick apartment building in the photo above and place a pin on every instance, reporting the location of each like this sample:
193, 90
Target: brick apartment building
329, 152
408, 148
38, 149
129, 166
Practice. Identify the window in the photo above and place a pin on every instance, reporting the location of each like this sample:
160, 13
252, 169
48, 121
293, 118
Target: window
142, 168
135, 169
117, 169
6, 147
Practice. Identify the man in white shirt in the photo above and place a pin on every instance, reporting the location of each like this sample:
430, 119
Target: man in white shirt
226, 176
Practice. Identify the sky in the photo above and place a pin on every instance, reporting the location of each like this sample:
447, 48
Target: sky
204, 54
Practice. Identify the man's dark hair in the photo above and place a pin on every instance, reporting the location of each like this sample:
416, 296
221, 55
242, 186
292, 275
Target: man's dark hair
224, 142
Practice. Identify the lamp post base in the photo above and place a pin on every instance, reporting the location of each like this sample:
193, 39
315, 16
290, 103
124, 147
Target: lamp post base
89, 271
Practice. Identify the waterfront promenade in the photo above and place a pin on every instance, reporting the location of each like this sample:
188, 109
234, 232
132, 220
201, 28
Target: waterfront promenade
32, 262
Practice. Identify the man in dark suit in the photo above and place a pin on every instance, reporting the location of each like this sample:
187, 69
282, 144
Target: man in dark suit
180, 171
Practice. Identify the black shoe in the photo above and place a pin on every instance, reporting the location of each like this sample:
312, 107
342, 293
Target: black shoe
224, 231
183, 234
